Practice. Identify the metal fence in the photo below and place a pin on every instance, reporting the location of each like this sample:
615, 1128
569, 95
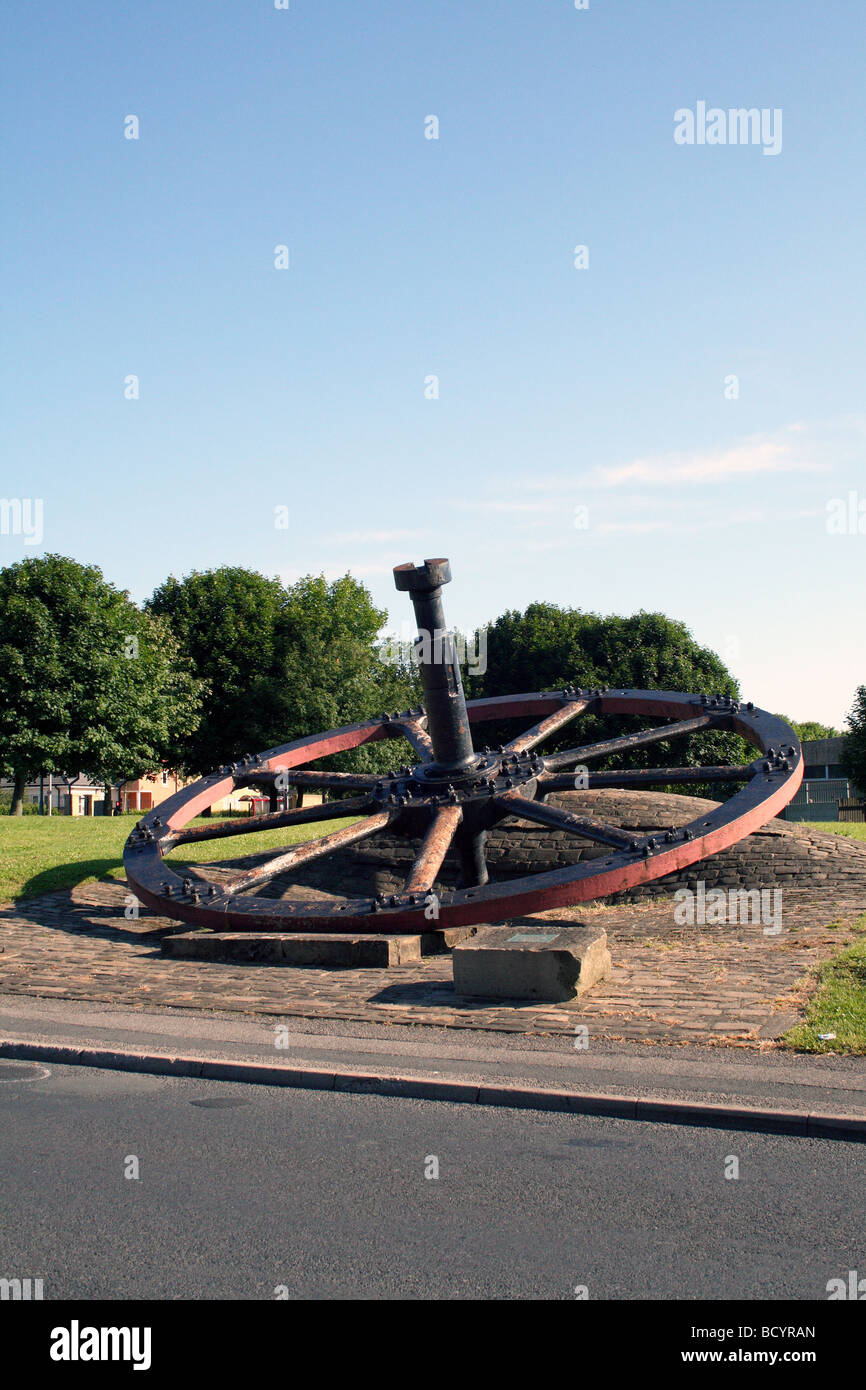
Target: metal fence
819, 790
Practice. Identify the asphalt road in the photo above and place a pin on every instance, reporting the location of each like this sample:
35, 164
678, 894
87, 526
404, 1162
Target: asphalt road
244, 1189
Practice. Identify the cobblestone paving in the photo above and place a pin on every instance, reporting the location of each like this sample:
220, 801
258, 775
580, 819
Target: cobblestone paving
670, 984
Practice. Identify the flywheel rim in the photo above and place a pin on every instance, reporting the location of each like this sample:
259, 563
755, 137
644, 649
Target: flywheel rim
771, 780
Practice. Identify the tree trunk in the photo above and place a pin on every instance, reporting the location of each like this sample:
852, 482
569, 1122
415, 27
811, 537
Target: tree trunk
18, 794
108, 808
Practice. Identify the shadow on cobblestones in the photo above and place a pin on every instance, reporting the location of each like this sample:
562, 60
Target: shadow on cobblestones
65, 912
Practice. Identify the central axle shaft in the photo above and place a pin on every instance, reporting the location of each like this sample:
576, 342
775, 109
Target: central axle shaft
439, 665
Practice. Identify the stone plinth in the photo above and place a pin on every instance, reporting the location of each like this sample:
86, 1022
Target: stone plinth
328, 949
541, 961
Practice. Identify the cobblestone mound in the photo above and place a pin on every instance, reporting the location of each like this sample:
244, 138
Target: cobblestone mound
781, 855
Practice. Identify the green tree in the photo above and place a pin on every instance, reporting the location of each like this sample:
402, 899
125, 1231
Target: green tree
280, 662
337, 671
811, 729
547, 647
87, 681
854, 747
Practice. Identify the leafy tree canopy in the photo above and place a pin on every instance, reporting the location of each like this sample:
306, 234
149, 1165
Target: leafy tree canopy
547, 647
88, 682
280, 661
811, 729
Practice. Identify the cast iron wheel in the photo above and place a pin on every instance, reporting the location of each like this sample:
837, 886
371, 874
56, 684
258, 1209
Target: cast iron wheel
455, 795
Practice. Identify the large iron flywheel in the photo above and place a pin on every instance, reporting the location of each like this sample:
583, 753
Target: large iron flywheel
455, 794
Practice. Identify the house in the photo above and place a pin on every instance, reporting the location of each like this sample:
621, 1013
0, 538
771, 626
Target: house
60, 794
824, 784
77, 795
143, 793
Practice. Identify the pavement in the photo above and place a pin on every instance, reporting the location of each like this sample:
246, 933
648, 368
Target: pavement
150, 1187
685, 1028
687, 1085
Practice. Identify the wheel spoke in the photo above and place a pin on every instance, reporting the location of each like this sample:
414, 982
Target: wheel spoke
629, 741
291, 857
524, 742
516, 805
303, 777
640, 777
433, 849
278, 820
417, 735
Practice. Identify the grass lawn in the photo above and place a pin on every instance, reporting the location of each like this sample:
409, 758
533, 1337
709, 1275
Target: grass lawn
839, 1006
855, 830
40, 854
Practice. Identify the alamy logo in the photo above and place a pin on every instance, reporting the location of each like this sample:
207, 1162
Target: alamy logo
22, 516
854, 1288
20, 1290
77, 1343
437, 648
736, 126
697, 907
846, 516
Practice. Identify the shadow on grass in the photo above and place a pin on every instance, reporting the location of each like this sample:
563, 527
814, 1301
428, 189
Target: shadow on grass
66, 876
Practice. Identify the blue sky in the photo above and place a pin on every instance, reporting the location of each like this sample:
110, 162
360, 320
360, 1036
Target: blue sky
559, 388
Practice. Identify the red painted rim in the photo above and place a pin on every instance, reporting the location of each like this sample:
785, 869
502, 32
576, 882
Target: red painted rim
770, 788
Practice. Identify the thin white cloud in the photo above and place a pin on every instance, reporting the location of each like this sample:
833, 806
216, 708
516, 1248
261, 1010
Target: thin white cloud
371, 537
488, 504
757, 456
359, 571
754, 518
797, 448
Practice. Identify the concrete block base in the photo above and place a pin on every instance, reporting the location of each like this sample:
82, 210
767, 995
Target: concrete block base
325, 949
535, 961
